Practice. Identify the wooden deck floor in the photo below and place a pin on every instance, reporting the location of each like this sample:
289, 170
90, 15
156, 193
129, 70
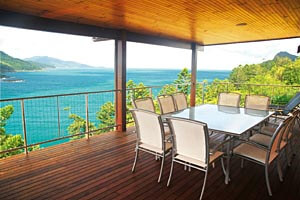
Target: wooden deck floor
100, 168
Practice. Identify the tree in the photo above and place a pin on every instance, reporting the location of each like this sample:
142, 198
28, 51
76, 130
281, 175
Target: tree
106, 116
183, 81
9, 141
78, 126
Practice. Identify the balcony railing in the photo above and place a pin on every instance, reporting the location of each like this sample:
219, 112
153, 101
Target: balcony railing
48, 120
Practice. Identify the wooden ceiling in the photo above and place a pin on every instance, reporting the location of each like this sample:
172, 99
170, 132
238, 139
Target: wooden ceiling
206, 22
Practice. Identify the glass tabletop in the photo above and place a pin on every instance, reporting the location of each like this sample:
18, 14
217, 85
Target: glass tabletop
226, 119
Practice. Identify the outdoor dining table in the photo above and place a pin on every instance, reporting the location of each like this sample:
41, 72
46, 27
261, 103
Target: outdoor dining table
232, 121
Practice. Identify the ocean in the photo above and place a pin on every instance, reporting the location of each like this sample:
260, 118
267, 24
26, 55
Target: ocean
42, 114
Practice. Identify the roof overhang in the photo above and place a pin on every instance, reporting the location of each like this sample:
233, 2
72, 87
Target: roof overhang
165, 22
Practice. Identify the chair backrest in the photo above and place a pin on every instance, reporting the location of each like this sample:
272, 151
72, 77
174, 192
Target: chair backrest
190, 138
257, 102
229, 99
289, 128
144, 104
295, 101
276, 139
180, 101
166, 104
149, 128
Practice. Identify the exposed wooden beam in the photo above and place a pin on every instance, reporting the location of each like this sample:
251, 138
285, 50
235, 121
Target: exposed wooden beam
148, 39
194, 75
13, 19
8, 18
120, 82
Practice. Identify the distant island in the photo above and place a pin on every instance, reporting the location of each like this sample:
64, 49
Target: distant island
57, 63
36, 63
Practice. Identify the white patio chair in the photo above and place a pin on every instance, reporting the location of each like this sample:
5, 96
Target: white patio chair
263, 155
257, 102
150, 136
229, 99
166, 104
144, 103
264, 137
191, 146
180, 101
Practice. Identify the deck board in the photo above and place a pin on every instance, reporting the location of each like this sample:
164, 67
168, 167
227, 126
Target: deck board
100, 168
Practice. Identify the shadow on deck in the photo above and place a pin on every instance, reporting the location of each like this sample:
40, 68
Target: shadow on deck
100, 168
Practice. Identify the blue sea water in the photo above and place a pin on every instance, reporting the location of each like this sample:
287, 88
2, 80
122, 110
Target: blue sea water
42, 114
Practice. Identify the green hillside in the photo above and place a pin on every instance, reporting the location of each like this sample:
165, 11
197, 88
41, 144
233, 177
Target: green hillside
10, 64
283, 69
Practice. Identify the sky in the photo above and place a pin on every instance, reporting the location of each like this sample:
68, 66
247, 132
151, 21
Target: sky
24, 43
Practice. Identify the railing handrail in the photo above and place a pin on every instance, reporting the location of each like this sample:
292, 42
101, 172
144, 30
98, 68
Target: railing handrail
153, 86
58, 95
257, 84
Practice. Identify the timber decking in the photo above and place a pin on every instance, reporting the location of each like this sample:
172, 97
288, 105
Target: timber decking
100, 168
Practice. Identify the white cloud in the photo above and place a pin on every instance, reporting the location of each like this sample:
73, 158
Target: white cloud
22, 43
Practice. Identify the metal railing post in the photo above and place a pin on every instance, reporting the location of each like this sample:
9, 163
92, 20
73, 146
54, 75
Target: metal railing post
150, 91
87, 128
24, 126
133, 94
58, 116
203, 85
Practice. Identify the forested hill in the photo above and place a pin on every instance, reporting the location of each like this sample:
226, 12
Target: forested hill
11, 64
58, 63
283, 69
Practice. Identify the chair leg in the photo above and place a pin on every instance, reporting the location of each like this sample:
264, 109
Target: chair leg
222, 165
279, 170
171, 171
267, 179
205, 178
161, 168
287, 156
227, 179
135, 159
242, 163
291, 147
157, 158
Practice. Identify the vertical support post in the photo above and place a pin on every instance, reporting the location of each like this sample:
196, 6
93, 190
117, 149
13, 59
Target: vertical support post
58, 116
150, 91
24, 126
194, 75
87, 126
120, 81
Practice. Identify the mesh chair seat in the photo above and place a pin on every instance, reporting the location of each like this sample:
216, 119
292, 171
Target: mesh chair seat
269, 130
197, 162
254, 153
261, 139
155, 149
